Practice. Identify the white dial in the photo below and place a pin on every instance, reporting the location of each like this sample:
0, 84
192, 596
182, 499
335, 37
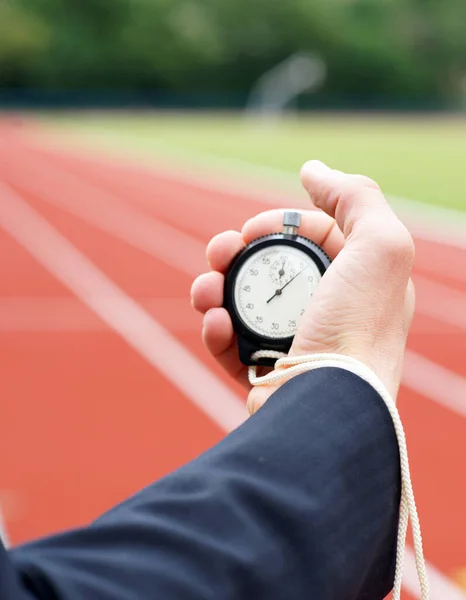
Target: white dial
273, 288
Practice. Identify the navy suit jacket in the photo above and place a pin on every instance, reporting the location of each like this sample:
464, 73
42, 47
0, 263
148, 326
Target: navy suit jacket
300, 502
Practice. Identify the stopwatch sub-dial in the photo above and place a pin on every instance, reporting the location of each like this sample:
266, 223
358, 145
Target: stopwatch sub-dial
282, 269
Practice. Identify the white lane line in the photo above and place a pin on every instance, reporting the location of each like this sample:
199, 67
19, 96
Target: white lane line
441, 588
269, 185
434, 382
440, 301
109, 213
68, 314
288, 191
115, 216
152, 341
130, 321
429, 222
214, 174
432, 223
189, 258
421, 375
438, 263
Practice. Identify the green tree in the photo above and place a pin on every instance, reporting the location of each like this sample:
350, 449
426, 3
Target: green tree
386, 48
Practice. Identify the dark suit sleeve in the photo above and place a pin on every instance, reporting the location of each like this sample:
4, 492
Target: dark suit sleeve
299, 502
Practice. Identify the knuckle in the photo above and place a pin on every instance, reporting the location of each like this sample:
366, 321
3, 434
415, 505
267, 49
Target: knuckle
341, 191
397, 244
355, 188
366, 182
327, 194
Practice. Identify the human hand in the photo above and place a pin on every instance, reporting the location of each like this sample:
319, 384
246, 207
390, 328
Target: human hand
364, 304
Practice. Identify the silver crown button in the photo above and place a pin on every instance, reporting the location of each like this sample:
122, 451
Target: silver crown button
291, 222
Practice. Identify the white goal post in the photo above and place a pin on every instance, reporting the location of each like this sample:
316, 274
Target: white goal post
277, 88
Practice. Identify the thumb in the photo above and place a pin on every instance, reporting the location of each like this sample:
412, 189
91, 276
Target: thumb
363, 306
359, 207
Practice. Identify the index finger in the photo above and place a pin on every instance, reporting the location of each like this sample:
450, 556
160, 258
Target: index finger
315, 225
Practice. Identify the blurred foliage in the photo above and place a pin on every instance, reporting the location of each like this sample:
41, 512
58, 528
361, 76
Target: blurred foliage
396, 48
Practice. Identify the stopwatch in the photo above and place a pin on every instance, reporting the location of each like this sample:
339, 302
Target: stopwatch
268, 286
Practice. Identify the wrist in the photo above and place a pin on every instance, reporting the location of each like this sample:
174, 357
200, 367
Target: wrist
383, 375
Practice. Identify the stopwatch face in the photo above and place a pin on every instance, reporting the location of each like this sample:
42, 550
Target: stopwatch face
272, 289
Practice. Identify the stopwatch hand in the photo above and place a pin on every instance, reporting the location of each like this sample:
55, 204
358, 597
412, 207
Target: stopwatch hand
279, 291
282, 270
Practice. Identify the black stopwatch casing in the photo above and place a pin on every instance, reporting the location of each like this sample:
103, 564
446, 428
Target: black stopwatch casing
250, 341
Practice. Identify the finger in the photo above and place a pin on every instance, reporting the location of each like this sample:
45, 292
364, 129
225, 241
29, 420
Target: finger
257, 397
356, 202
207, 291
217, 331
315, 225
222, 249
220, 340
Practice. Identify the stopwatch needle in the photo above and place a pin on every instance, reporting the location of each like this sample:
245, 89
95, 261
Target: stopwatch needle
282, 270
279, 291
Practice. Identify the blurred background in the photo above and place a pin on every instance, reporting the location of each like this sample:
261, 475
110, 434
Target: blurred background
131, 131
406, 54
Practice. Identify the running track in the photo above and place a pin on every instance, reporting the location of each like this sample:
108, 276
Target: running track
98, 343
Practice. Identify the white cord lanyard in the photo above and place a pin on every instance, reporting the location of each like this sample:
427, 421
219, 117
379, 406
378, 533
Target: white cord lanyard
288, 366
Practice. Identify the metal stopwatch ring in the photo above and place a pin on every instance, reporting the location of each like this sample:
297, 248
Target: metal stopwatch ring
268, 286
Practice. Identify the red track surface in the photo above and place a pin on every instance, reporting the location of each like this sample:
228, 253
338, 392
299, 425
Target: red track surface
87, 421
